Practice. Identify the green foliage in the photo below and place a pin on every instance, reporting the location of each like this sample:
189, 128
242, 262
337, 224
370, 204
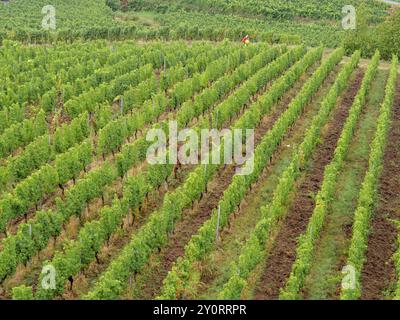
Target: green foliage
44, 181
20, 134
44, 149
388, 34
22, 293
194, 26
92, 185
71, 163
22, 19
93, 234
11, 115
277, 9
368, 38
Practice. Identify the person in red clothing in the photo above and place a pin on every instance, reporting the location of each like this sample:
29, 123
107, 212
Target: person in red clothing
246, 40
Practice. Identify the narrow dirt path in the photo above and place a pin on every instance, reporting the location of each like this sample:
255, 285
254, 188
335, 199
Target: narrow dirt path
282, 256
379, 271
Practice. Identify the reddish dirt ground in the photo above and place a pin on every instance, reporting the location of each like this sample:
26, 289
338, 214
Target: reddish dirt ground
283, 254
379, 271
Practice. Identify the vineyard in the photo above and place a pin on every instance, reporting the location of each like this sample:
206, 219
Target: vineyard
84, 214
274, 21
78, 195
280, 9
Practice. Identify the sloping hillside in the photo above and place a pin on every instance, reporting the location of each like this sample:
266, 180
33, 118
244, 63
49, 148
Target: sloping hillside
278, 9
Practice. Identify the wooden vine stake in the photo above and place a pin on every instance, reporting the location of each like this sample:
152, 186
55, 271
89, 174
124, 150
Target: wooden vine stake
218, 223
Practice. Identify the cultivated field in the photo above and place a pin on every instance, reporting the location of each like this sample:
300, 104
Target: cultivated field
85, 215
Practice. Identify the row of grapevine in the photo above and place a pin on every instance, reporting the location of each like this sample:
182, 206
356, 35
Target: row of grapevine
195, 26
106, 91
368, 192
34, 234
43, 149
278, 9
132, 152
29, 86
119, 73
269, 56
74, 83
40, 151
201, 103
116, 132
12, 206
136, 152
19, 134
138, 188
154, 233
31, 57
306, 242
59, 73
51, 185
25, 15
158, 58
112, 136
166, 33
181, 29
253, 251
76, 199
11, 115
40, 141
94, 234
31, 191
69, 70
54, 67
178, 278
234, 103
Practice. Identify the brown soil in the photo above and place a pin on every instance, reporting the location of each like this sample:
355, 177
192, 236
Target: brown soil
279, 263
379, 271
